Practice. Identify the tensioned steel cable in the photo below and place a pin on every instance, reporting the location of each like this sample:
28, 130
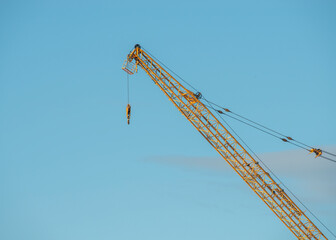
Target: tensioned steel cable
220, 112
286, 139
227, 110
127, 88
330, 153
328, 158
332, 160
260, 129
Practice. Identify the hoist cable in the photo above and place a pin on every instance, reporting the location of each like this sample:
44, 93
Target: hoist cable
127, 88
273, 172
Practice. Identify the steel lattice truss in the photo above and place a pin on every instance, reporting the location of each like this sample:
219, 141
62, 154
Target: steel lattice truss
226, 145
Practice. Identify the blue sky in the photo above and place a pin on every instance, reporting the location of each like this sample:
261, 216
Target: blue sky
71, 168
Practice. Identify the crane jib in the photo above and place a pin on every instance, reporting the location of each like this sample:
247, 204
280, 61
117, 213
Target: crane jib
260, 181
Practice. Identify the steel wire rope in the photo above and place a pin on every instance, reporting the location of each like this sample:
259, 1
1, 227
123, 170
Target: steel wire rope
328, 158
226, 109
330, 153
332, 160
127, 88
237, 119
288, 139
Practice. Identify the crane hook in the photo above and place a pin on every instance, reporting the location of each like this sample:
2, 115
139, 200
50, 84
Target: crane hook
128, 113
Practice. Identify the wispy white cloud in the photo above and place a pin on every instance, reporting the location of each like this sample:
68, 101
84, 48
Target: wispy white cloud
315, 177
312, 180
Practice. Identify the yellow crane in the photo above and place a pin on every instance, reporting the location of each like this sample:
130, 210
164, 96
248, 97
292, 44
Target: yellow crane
259, 180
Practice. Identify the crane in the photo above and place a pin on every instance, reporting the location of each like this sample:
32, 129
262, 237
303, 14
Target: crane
198, 114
